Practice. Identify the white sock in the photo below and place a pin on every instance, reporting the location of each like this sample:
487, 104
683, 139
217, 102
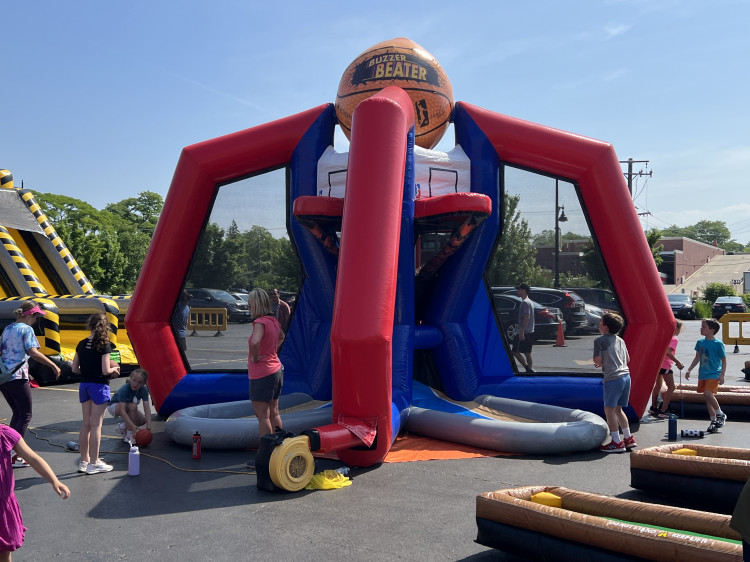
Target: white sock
615, 436
719, 412
626, 432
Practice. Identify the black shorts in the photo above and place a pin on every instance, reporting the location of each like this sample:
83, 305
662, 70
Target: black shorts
523, 346
666, 372
267, 389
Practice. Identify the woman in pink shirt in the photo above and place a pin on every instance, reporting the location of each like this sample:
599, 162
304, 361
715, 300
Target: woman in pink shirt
264, 368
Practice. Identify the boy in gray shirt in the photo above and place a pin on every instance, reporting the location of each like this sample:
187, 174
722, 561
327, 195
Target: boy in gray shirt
611, 354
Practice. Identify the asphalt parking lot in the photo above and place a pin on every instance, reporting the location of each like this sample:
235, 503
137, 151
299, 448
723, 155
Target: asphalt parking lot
210, 509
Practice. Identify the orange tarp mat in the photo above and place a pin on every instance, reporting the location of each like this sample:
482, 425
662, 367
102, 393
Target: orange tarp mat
408, 448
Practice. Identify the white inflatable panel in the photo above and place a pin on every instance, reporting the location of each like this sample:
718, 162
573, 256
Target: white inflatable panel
436, 172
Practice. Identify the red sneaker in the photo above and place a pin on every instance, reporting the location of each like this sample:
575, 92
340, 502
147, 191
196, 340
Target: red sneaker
630, 443
613, 447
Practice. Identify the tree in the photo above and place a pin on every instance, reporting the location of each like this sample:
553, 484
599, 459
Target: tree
712, 291
514, 258
544, 238
206, 259
594, 266
653, 236
134, 220
704, 231
110, 246
90, 236
547, 237
142, 211
244, 260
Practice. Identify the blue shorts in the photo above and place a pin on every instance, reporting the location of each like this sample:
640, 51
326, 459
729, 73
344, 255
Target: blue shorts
617, 392
95, 391
267, 389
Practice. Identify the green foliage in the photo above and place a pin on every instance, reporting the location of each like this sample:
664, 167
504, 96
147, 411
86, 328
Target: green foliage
707, 232
569, 280
547, 238
594, 266
244, 260
653, 236
108, 245
746, 299
514, 258
702, 309
544, 238
712, 291
735, 247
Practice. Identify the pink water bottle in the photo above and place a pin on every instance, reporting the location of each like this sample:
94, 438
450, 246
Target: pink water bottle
197, 446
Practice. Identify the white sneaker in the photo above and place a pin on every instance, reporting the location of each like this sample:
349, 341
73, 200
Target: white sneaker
82, 466
18, 462
98, 466
129, 437
120, 427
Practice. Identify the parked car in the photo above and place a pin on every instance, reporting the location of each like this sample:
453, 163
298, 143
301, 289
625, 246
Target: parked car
237, 311
682, 305
727, 304
571, 305
603, 298
546, 318
242, 297
593, 318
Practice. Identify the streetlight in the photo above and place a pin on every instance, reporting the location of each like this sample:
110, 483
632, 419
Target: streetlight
559, 217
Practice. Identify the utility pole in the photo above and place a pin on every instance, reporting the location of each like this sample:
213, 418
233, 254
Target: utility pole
630, 172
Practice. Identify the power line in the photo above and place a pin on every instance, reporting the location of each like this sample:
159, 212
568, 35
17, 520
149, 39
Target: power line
630, 174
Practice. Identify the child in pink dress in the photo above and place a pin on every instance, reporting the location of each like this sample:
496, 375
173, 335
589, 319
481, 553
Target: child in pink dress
11, 522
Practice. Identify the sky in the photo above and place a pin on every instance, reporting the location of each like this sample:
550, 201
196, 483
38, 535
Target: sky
99, 98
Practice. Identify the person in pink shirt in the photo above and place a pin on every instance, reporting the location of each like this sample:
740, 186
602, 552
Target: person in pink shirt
12, 530
264, 368
666, 376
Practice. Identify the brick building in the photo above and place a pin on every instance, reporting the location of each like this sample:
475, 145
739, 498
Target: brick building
682, 257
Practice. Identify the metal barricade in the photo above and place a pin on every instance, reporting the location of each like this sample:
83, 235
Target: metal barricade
207, 319
727, 325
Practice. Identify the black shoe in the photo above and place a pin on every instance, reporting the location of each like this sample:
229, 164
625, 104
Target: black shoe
713, 428
530, 370
720, 419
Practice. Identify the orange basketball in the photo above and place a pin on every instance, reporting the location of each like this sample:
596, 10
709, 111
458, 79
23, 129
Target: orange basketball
399, 62
143, 437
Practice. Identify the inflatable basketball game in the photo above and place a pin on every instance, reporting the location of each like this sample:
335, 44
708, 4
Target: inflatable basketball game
361, 237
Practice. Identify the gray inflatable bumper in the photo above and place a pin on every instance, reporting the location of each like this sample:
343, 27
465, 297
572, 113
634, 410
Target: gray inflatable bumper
232, 425
558, 430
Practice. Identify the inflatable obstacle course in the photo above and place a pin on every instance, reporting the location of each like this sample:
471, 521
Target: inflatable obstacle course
36, 264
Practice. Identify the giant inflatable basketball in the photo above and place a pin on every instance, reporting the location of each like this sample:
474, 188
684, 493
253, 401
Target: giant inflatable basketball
399, 62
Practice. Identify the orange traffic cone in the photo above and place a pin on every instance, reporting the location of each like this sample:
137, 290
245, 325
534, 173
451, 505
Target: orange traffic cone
560, 341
